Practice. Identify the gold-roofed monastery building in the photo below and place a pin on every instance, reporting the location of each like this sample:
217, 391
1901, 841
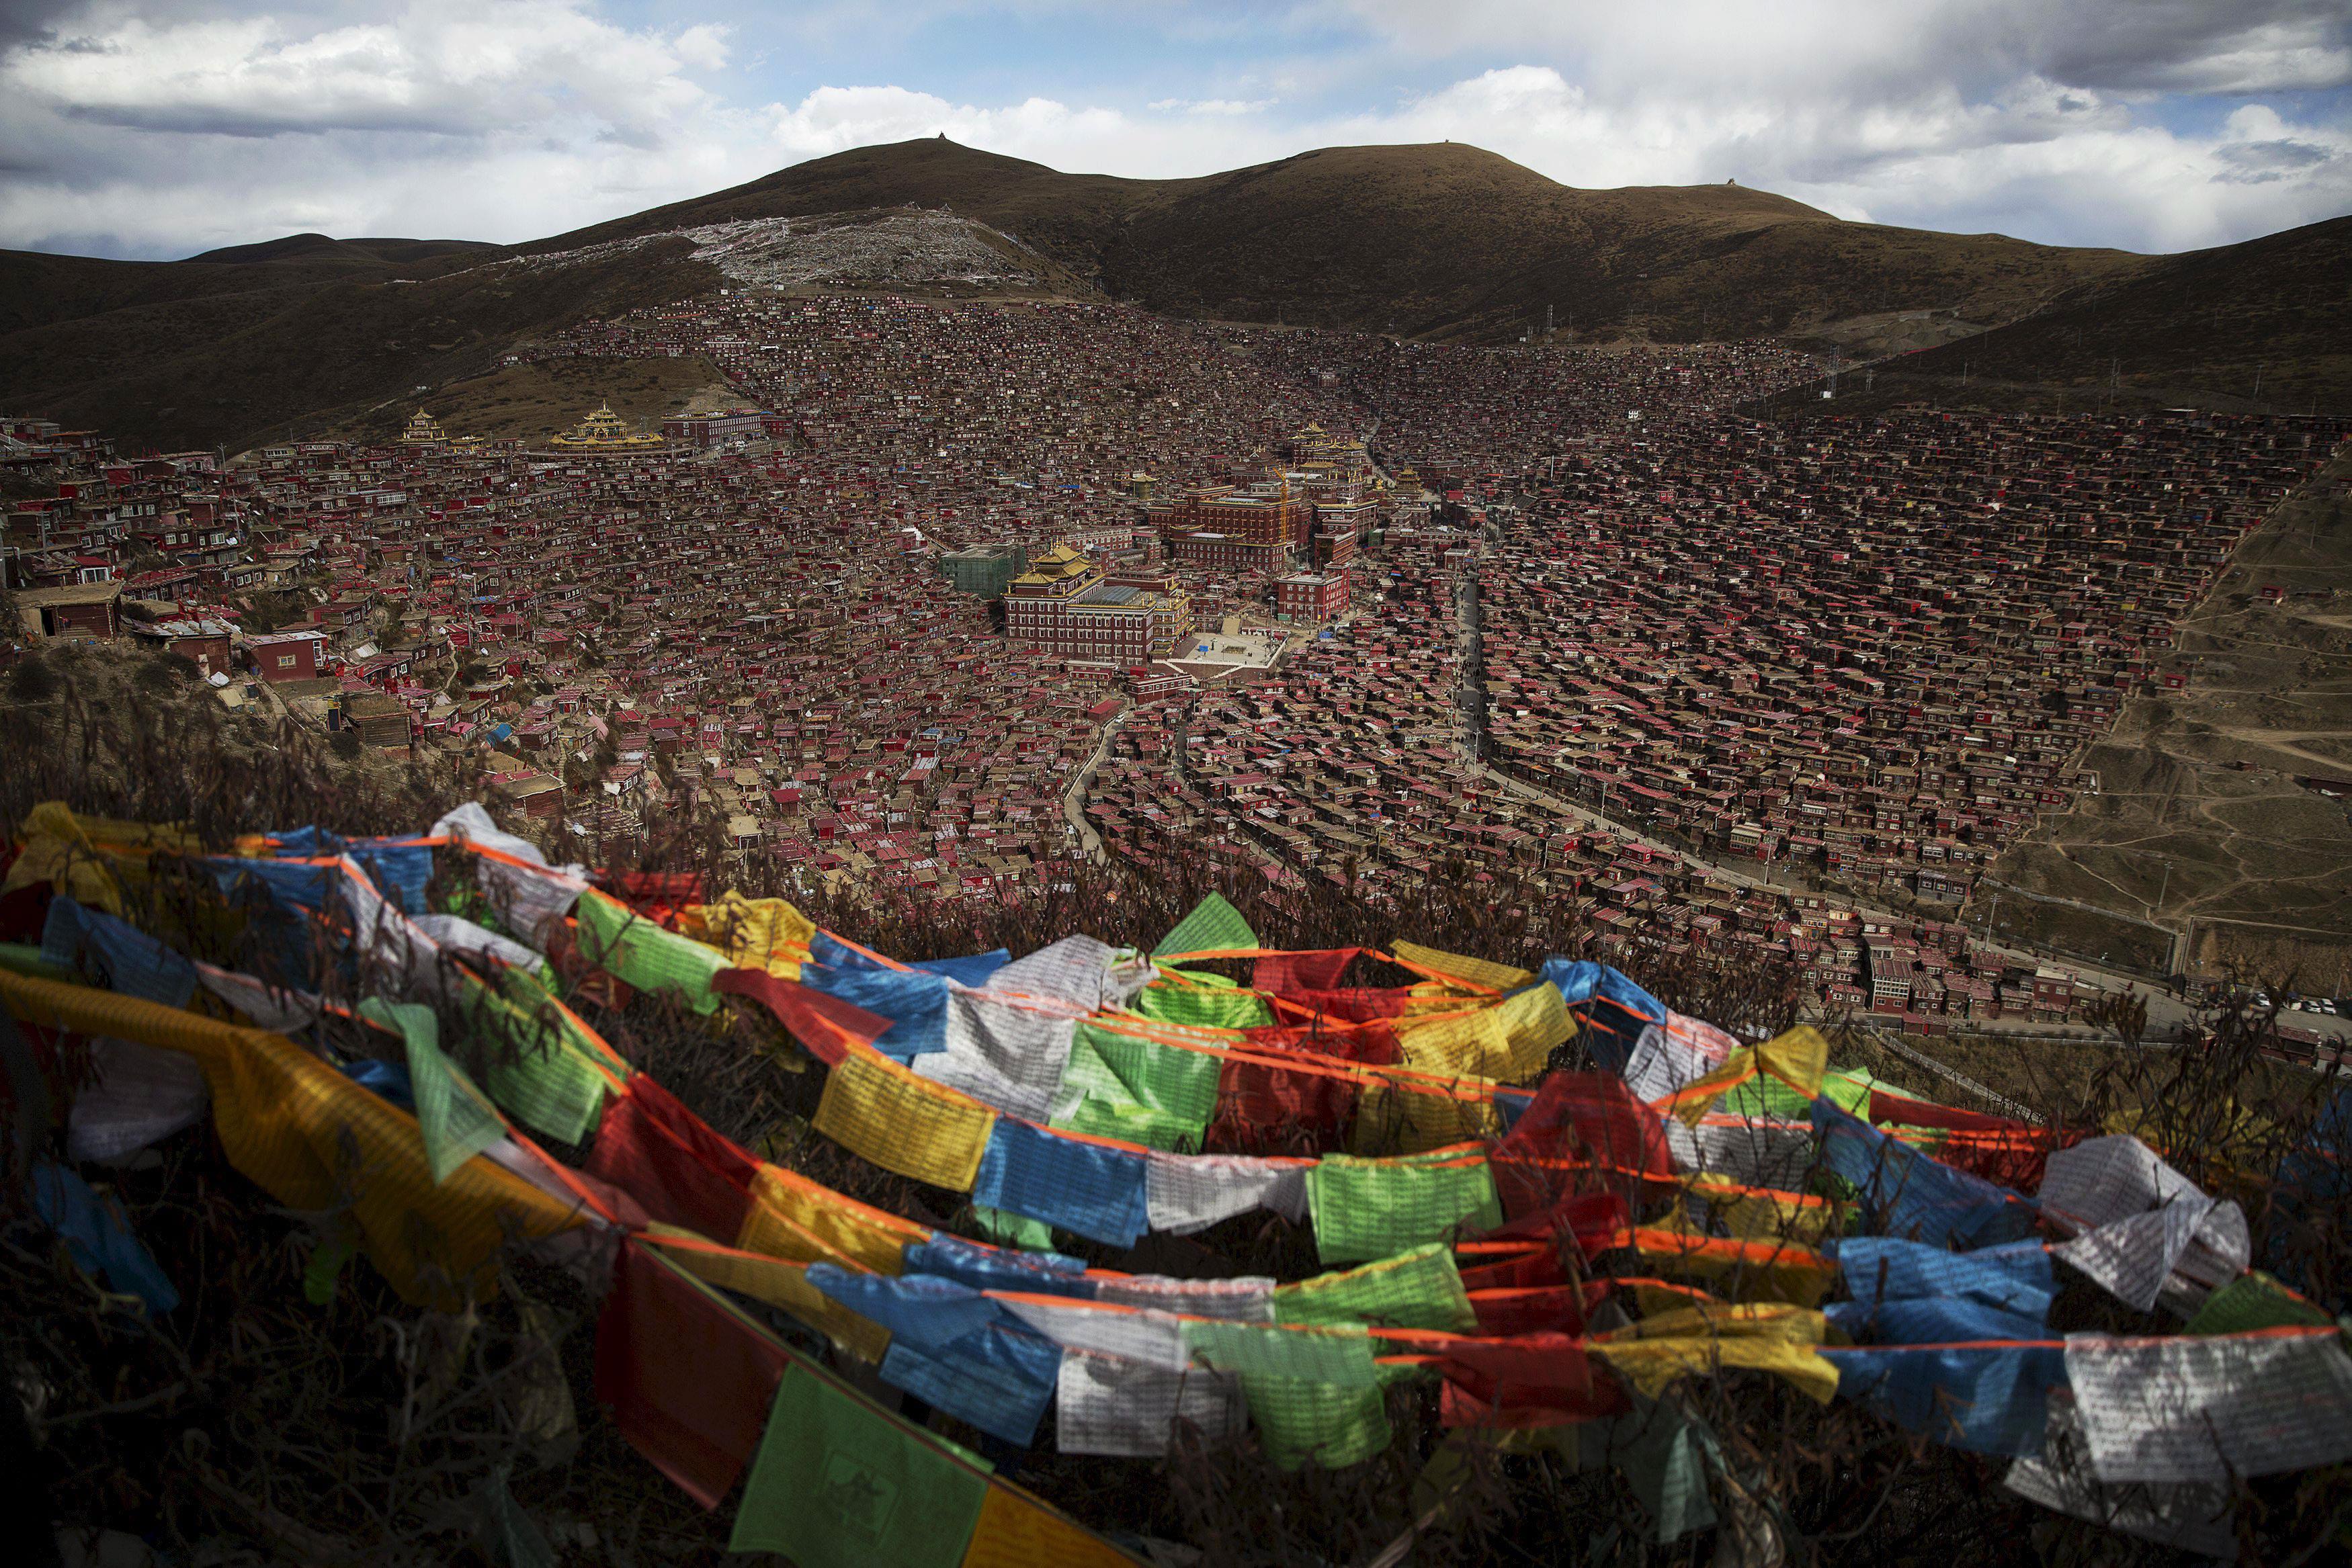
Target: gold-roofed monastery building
1065, 604
602, 432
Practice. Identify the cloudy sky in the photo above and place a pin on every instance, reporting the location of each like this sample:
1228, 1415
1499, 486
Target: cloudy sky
159, 127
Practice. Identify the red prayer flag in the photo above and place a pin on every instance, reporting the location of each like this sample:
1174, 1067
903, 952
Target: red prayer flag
1290, 974
685, 1379
822, 1023
1578, 1119
670, 1161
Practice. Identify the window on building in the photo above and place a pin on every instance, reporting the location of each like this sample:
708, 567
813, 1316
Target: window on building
285, 661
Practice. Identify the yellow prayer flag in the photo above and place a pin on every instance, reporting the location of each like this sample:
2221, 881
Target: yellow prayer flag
1477, 971
754, 933
874, 1107
779, 1283
313, 1139
89, 858
1534, 1023
1016, 1530
1799, 1059
1698, 1341
792, 1216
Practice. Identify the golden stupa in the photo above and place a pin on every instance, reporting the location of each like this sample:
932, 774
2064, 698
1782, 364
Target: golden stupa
423, 430
602, 432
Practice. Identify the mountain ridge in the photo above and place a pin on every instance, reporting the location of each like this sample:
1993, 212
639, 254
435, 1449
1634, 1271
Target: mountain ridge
1445, 241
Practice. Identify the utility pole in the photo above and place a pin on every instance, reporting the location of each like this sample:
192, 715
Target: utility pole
2258, 381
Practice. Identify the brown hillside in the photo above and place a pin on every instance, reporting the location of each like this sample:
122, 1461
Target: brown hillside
176, 366
1442, 241
1445, 241
2262, 325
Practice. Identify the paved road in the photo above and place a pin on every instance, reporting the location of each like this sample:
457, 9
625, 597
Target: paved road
1073, 798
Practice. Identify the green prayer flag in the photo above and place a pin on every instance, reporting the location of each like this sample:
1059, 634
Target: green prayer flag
454, 1117
1420, 1289
325, 1268
1662, 1452
619, 940
509, 1534
837, 1484
1331, 1424
1014, 1229
1208, 1008
1367, 1209
2253, 1300
1118, 1086
1215, 925
1764, 1097
538, 1066
1340, 1354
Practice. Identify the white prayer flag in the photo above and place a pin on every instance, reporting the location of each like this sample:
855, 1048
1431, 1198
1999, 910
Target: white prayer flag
2194, 1408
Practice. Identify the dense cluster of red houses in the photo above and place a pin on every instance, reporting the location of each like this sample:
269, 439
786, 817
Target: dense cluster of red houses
1558, 621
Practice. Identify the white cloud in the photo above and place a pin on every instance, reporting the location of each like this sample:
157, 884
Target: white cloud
513, 119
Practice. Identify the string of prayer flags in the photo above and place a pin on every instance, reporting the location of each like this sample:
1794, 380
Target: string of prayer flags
289, 1121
